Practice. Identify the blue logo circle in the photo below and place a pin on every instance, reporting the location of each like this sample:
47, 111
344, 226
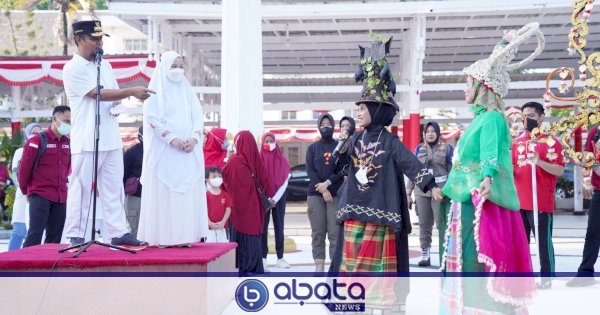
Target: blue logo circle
252, 295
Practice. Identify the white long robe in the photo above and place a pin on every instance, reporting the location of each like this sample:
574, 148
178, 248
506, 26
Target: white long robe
173, 205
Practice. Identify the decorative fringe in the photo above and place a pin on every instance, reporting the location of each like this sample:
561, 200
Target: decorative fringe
487, 261
23, 83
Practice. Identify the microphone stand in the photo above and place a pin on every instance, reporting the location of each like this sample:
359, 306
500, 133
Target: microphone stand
84, 246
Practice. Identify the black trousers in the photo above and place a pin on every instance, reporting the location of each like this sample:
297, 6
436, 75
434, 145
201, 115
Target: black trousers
545, 221
278, 217
48, 215
592, 236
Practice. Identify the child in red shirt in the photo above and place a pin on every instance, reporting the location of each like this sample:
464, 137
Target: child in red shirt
219, 206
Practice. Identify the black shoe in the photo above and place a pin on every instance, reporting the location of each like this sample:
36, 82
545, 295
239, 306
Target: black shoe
76, 241
545, 284
127, 239
581, 282
425, 257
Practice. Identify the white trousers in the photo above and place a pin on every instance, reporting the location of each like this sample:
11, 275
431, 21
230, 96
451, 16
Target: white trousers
111, 195
217, 236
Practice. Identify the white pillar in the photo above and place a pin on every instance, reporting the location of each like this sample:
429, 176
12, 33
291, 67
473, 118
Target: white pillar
15, 113
188, 61
402, 73
16, 99
155, 27
151, 36
415, 62
411, 73
167, 36
241, 67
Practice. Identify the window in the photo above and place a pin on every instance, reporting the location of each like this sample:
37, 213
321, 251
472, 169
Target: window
293, 155
288, 115
317, 114
136, 45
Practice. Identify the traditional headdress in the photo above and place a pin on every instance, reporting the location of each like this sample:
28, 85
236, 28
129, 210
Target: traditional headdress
375, 73
493, 71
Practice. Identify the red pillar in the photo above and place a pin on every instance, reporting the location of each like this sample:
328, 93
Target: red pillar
415, 127
394, 130
15, 126
406, 132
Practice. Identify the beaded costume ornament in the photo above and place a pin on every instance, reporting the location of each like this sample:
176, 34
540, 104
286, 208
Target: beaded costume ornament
493, 71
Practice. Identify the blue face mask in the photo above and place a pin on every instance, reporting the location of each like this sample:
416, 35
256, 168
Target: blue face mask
225, 145
64, 128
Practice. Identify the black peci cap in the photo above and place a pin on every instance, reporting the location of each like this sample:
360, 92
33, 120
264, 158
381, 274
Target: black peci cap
93, 28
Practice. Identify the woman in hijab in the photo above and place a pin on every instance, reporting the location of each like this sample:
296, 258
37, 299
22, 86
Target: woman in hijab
347, 129
174, 211
485, 231
278, 172
215, 148
322, 191
379, 162
242, 174
437, 158
20, 215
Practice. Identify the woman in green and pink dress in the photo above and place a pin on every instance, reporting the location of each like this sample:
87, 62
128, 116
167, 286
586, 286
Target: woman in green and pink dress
484, 230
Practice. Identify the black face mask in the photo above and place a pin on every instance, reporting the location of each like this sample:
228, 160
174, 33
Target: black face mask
531, 124
326, 132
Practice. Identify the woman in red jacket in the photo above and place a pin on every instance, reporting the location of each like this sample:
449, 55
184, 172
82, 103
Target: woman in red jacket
248, 214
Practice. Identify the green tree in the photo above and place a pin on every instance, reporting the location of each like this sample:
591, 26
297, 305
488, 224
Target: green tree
68, 9
6, 6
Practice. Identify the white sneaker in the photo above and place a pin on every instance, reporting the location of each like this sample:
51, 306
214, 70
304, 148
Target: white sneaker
281, 263
265, 263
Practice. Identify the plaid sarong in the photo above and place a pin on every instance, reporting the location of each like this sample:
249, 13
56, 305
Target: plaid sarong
368, 247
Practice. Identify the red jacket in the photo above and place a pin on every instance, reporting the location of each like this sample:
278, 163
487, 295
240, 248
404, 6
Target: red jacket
50, 179
589, 147
546, 182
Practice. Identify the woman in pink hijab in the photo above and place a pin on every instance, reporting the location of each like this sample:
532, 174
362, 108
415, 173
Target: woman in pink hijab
278, 172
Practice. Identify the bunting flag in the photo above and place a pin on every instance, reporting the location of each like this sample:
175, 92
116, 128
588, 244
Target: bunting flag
305, 134
32, 71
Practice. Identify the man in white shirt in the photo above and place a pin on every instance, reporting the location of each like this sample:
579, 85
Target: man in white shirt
79, 77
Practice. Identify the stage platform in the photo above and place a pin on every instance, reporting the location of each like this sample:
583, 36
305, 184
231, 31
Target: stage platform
39, 280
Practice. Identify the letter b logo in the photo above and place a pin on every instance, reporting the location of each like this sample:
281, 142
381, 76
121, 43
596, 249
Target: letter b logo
252, 295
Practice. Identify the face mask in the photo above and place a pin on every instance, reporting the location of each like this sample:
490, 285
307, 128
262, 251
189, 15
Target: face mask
531, 124
216, 182
64, 128
269, 146
225, 145
175, 75
326, 132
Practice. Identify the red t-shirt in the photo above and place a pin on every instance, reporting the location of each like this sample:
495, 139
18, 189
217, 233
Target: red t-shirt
546, 182
590, 148
217, 204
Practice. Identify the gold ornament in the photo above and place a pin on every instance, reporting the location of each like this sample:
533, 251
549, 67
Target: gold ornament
551, 155
588, 98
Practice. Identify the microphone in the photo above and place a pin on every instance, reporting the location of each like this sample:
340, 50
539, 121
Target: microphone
99, 53
337, 149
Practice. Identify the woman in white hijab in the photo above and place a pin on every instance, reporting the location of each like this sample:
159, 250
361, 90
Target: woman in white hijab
173, 209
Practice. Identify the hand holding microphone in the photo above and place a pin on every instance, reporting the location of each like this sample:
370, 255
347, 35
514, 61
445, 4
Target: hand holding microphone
343, 139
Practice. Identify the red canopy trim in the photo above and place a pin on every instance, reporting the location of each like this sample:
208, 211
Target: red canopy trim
305, 134
32, 71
